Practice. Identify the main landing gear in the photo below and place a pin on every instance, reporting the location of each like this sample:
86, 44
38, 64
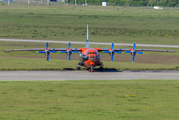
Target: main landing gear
79, 68
101, 67
79, 65
91, 68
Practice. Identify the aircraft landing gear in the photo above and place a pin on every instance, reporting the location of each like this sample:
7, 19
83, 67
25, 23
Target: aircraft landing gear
101, 68
79, 68
91, 69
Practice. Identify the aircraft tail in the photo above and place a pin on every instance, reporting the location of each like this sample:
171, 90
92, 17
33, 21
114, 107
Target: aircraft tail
87, 39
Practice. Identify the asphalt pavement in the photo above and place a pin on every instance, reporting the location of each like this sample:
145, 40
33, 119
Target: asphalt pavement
86, 75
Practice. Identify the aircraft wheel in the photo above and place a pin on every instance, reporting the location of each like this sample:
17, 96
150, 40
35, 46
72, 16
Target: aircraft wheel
102, 65
91, 69
78, 68
100, 68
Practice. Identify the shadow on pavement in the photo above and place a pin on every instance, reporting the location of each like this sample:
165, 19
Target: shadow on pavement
111, 70
107, 70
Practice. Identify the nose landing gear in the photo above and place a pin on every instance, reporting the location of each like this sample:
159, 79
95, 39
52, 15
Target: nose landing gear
91, 69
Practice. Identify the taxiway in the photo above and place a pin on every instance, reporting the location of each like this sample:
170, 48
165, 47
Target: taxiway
85, 75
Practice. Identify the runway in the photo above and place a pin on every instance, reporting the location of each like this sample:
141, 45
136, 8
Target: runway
93, 43
85, 75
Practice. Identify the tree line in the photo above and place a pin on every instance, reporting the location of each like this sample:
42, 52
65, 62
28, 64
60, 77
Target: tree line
167, 3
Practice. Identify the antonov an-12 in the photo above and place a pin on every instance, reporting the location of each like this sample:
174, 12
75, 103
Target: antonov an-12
89, 57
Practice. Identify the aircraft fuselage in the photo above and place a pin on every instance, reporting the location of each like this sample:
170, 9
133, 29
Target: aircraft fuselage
90, 57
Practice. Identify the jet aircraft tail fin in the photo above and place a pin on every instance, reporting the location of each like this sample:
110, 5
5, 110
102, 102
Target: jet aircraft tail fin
87, 39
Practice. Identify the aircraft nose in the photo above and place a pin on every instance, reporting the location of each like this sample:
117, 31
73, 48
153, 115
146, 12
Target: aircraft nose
91, 63
92, 58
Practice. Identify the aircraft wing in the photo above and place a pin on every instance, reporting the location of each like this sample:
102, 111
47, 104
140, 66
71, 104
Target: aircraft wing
123, 49
48, 50
30, 49
133, 51
64, 49
70, 50
154, 50
42, 49
151, 50
78, 49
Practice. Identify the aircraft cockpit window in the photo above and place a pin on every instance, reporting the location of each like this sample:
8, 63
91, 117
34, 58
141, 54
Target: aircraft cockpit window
91, 53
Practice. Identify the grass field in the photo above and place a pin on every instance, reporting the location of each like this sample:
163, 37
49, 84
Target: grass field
86, 100
79, 100
106, 24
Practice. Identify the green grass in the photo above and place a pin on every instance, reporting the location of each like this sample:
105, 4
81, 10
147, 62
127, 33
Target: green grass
79, 100
106, 24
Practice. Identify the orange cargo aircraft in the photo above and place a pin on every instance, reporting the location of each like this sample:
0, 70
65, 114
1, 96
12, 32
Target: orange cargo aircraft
89, 57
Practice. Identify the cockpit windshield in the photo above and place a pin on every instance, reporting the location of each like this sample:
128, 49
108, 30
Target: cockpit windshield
92, 53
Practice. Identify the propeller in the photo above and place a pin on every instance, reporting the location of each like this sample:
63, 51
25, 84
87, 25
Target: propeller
133, 52
112, 52
47, 51
69, 51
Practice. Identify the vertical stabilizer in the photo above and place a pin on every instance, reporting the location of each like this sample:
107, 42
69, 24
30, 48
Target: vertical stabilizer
87, 39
